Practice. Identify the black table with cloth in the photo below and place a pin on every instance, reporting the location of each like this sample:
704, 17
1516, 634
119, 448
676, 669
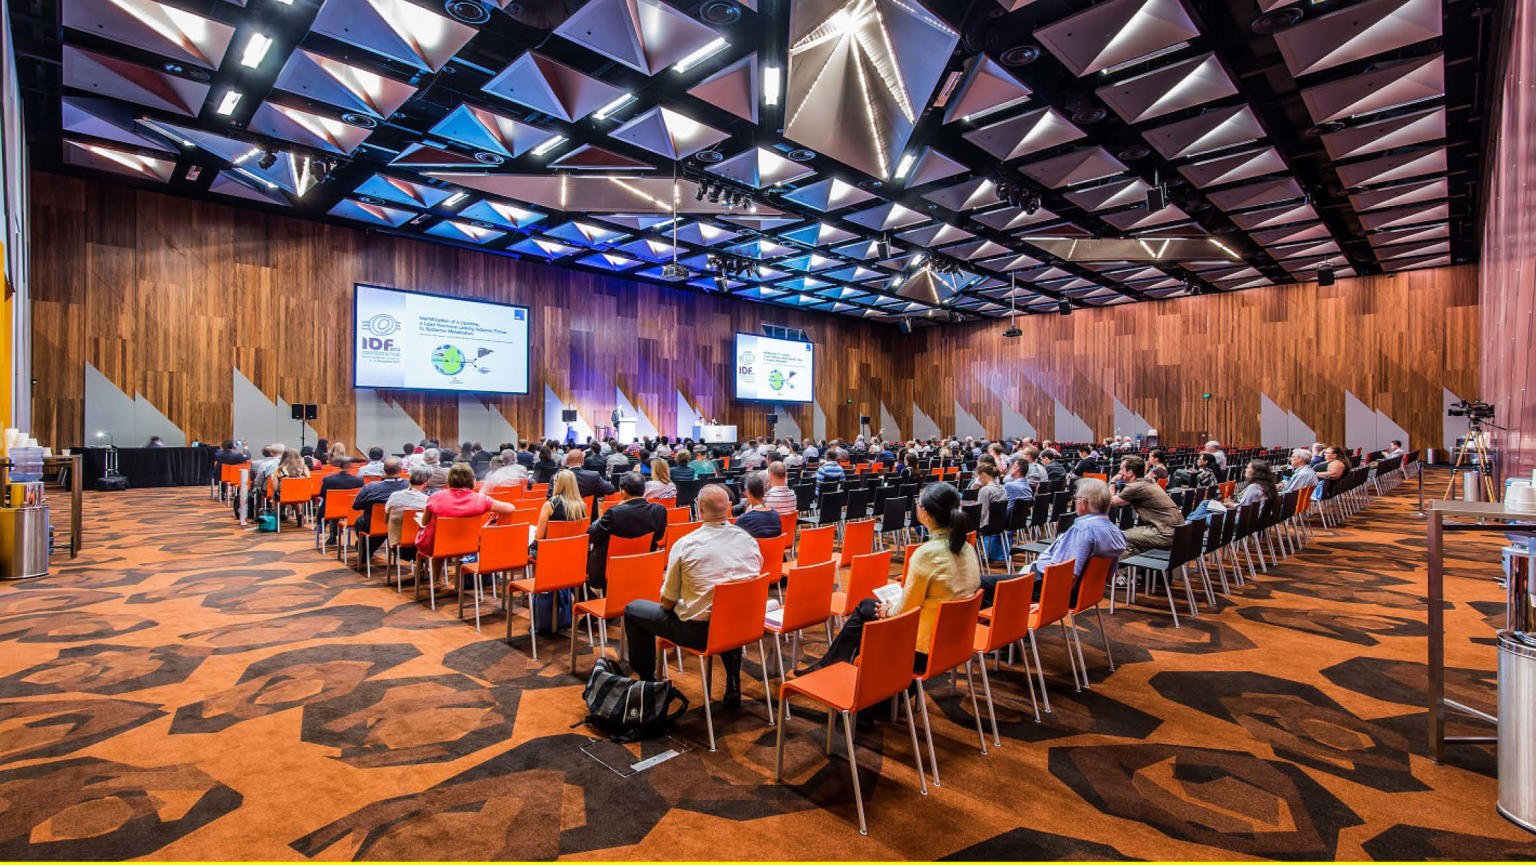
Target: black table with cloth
154, 467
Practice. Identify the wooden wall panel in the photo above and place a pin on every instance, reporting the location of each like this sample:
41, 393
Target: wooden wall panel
1393, 341
1509, 248
167, 296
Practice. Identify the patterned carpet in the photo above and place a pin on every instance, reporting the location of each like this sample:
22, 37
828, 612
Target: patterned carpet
189, 690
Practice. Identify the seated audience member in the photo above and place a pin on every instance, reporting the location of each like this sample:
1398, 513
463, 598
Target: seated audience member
589, 482
341, 479
263, 468
944, 568
545, 466
1092, 534
526, 456
1336, 465
412, 498
660, 487
377, 493
794, 459
1213, 448
1302, 474
617, 459
565, 504
228, 454
1395, 449
989, 492
1017, 486
634, 517
1260, 486
1087, 463
714, 553
1202, 476
751, 456
1054, 470
1156, 514
338, 449
830, 473
1036, 472
779, 496
155, 442
509, 475
680, 468
457, 499
702, 465
757, 518
1157, 468
374, 468
479, 459
432, 459
289, 465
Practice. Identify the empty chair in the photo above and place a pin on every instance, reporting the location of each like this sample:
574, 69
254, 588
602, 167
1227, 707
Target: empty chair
807, 603
1055, 591
869, 572
1006, 623
1087, 596
858, 539
561, 564
954, 635
815, 545
503, 549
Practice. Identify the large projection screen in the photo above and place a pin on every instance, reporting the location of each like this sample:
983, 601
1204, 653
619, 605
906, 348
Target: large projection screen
411, 341
774, 370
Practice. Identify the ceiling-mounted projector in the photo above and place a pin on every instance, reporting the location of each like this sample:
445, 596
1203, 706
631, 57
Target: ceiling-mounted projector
1013, 332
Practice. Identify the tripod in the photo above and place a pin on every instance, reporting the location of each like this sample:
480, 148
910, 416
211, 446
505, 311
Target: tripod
1473, 444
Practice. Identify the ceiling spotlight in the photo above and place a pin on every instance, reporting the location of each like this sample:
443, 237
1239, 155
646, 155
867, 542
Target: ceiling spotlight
720, 282
256, 50
1031, 202
698, 192
1157, 198
267, 159
714, 195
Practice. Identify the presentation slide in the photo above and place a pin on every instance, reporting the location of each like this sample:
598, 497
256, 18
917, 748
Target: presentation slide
425, 342
776, 370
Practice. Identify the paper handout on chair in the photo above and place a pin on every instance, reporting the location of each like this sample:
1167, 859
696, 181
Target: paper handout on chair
888, 594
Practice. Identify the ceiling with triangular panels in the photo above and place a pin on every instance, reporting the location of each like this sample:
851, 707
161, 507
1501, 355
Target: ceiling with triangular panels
886, 159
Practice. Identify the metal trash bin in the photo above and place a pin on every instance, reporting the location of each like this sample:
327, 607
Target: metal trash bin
1517, 728
1471, 486
23, 542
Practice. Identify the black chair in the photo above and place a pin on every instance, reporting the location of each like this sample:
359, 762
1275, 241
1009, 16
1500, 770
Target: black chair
830, 509
858, 504
805, 495
1184, 549
997, 527
970, 495
687, 492
893, 517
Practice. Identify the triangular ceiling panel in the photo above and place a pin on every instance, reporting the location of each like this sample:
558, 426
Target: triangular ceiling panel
669, 133
486, 130
164, 30
734, 88
347, 87
986, 88
397, 29
1028, 133
102, 118
546, 85
1117, 32
119, 79
646, 35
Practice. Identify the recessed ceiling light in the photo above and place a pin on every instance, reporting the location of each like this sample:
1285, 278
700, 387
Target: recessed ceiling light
607, 110
904, 166
548, 144
256, 50
703, 53
772, 84
453, 199
228, 103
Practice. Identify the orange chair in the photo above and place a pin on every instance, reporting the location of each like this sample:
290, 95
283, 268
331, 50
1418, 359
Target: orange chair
807, 602
882, 671
630, 578
954, 635
1007, 623
525, 513
1098, 476
815, 545
870, 571
297, 492
562, 564
554, 530
455, 537
337, 508
735, 620
378, 527
1055, 587
511, 496
678, 515
1227, 489
676, 531
858, 539
772, 550
503, 549
787, 523
1090, 593
628, 546
906, 560
1162, 482
410, 527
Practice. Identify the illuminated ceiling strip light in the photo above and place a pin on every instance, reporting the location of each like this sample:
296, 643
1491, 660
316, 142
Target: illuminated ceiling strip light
637, 191
549, 144
773, 84
256, 50
1223, 247
701, 54
904, 166
256, 177
127, 160
228, 103
607, 110
453, 199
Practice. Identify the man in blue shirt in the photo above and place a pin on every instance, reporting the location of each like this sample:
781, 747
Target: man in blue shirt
830, 472
1017, 485
1092, 534
1302, 473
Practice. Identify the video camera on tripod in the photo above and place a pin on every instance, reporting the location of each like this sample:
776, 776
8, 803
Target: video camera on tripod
1476, 412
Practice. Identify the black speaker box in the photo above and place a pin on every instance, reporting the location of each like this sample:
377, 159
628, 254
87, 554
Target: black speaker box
568, 415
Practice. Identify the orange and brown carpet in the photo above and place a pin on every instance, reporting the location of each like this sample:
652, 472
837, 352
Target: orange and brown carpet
189, 690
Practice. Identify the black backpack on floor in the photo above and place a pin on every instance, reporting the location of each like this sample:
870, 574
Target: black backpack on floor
627, 710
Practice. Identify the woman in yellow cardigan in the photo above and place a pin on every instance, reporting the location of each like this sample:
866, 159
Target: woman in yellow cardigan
943, 569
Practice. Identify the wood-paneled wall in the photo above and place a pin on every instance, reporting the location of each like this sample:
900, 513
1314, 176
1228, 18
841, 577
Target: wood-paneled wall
1509, 248
1392, 341
165, 296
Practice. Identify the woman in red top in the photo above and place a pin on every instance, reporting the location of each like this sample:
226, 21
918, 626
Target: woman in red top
458, 499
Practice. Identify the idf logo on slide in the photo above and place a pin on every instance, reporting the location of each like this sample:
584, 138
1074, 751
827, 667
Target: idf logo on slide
380, 327
744, 362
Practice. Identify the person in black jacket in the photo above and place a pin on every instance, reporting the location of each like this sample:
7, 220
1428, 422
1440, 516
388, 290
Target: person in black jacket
1086, 463
341, 480
1051, 459
545, 468
372, 494
632, 518
479, 459
589, 482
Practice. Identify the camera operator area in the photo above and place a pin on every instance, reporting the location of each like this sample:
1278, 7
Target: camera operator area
834, 430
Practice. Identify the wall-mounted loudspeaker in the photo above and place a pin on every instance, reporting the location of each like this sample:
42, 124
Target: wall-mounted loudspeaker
1325, 276
568, 415
1065, 307
863, 420
773, 419
306, 411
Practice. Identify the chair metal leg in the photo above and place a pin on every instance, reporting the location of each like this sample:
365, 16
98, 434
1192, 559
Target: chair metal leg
767, 688
574, 629
709, 716
1168, 584
1104, 634
917, 754
933, 758
831, 729
970, 685
986, 687
1034, 649
778, 752
853, 768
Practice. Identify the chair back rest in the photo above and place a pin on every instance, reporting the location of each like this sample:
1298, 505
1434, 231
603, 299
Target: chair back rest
906, 560
1186, 543
510, 495
1228, 488
997, 517
787, 525
1162, 482
409, 528
1098, 476
378, 520
1055, 589
503, 547
736, 614
886, 651
894, 515
618, 546
808, 597
815, 545
556, 529
456, 536
858, 538
954, 635
561, 563
858, 504
293, 491
338, 504
870, 571
678, 514
833, 507
1215, 526
1095, 581
1011, 600
635, 578
676, 532
772, 551
1040, 511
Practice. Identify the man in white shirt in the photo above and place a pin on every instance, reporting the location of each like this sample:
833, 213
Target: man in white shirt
511, 474
1394, 450
374, 468
1213, 448
714, 553
412, 498
779, 496
810, 452
751, 456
